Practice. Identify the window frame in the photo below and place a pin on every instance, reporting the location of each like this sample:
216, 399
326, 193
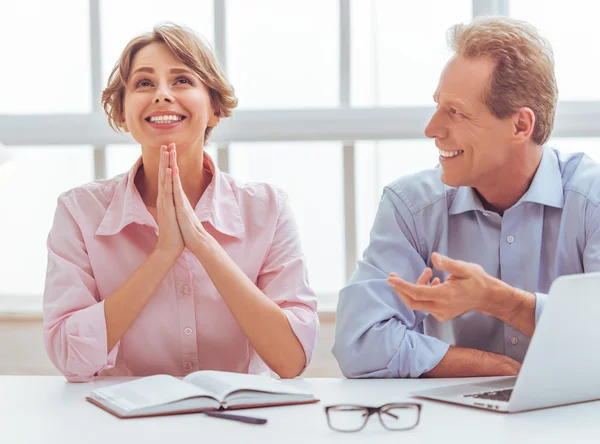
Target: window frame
343, 123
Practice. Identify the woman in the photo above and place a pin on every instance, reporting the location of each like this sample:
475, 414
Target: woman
175, 267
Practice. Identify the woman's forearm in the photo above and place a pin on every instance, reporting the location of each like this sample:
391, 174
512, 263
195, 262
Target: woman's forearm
123, 306
263, 322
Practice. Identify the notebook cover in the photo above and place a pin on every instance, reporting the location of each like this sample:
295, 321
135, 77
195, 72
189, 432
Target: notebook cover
199, 410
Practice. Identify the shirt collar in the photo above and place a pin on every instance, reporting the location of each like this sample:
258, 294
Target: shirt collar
217, 206
546, 188
126, 206
466, 199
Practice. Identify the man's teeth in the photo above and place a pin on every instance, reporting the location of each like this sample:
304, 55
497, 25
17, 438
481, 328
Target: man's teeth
450, 153
165, 119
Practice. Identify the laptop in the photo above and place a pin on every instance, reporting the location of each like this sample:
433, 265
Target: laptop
562, 363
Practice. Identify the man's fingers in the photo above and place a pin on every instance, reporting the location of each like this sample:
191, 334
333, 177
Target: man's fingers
435, 282
425, 276
418, 292
413, 304
452, 266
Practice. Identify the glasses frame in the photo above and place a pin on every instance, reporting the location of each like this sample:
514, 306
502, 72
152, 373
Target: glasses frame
370, 411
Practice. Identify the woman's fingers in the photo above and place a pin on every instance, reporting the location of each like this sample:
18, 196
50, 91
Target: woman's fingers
168, 190
162, 164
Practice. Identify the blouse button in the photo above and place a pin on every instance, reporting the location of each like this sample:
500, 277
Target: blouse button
188, 331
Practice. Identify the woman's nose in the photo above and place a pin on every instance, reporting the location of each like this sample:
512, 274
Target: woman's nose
163, 95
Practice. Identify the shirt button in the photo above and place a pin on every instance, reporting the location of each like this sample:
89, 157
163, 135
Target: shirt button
184, 290
514, 340
188, 331
510, 239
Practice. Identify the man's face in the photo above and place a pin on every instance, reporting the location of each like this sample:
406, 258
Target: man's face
474, 144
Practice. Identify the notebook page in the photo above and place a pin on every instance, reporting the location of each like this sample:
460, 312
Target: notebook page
224, 383
149, 391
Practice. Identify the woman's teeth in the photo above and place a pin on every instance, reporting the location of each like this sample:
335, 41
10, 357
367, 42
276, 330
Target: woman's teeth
448, 154
165, 119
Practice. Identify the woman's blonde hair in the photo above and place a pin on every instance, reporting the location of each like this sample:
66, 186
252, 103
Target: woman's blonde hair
524, 71
186, 46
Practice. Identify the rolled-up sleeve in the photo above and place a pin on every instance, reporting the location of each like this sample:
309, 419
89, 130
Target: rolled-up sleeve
74, 321
377, 336
284, 279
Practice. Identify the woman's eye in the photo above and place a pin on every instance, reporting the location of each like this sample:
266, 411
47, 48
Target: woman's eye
182, 80
143, 83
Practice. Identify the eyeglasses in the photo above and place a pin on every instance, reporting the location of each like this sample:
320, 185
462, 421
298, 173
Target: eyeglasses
353, 418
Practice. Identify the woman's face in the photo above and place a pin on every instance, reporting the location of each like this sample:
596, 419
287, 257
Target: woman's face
165, 101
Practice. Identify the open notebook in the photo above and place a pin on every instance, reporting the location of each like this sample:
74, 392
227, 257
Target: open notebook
199, 391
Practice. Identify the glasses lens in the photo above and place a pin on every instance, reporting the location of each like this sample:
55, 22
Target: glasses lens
347, 418
399, 417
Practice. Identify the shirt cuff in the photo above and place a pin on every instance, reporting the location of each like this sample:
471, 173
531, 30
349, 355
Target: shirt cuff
540, 303
87, 344
305, 325
418, 354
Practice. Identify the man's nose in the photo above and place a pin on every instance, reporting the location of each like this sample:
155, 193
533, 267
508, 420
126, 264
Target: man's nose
434, 129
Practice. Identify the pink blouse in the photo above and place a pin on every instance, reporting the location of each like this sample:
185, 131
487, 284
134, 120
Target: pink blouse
102, 233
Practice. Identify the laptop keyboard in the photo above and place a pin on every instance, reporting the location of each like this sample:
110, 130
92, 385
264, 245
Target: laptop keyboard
498, 395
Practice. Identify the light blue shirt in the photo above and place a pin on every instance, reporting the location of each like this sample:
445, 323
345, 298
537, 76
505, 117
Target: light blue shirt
553, 230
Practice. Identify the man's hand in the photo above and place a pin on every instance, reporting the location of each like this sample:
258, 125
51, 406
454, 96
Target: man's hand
465, 289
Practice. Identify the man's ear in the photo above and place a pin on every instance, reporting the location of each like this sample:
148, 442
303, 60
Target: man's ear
524, 123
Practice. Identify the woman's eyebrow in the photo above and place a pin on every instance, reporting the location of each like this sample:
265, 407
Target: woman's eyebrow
143, 69
149, 70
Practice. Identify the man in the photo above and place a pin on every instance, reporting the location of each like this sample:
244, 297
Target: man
461, 257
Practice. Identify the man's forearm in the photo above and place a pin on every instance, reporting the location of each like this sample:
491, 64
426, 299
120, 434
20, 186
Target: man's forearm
512, 306
467, 362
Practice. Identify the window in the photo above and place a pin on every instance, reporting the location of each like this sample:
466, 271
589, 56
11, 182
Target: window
36, 38
30, 183
121, 21
311, 174
296, 69
571, 27
295, 80
588, 145
379, 163
398, 52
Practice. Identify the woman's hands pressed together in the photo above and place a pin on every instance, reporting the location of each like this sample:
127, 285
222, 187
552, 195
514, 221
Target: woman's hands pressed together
176, 216
170, 239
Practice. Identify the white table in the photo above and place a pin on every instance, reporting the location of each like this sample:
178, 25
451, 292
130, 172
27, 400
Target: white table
47, 409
